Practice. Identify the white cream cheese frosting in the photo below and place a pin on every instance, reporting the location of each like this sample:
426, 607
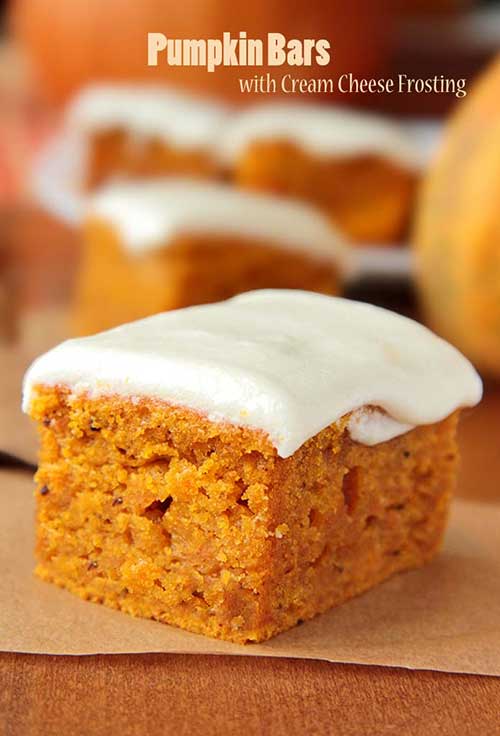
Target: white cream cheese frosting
288, 363
193, 122
150, 214
147, 110
370, 426
320, 130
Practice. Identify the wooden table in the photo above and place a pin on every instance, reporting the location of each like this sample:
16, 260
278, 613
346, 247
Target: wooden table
163, 694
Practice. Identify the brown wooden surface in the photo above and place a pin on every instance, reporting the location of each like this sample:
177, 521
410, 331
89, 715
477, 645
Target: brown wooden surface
164, 694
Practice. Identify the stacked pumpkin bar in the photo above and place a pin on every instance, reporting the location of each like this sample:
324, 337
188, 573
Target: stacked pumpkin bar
163, 244
236, 468
144, 130
359, 169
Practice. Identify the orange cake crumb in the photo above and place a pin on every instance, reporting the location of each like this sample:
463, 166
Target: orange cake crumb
115, 153
369, 197
166, 244
114, 287
157, 511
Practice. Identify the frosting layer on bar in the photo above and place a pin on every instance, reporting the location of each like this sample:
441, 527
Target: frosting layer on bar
319, 129
288, 363
150, 214
148, 111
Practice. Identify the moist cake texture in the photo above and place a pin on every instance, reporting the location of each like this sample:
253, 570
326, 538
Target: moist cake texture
184, 482
161, 245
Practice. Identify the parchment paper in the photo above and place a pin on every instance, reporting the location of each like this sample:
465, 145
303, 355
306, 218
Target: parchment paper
443, 617
17, 433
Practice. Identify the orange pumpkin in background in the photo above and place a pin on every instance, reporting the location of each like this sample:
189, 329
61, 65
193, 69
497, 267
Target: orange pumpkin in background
73, 42
457, 236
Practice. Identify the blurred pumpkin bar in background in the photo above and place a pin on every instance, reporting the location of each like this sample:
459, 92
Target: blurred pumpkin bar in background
359, 168
157, 245
142, 130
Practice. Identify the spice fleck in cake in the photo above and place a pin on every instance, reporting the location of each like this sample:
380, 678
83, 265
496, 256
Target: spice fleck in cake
236, 468
166, 244
359, 168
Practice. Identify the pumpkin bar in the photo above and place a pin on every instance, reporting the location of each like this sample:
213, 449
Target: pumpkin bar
359, 168
236, 468
165, 244
143, 131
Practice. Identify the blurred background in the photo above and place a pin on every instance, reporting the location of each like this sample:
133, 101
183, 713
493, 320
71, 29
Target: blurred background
50, 50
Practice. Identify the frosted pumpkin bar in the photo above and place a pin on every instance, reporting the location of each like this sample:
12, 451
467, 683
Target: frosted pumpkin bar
236, 468
144, 130
165, 244
359, 168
